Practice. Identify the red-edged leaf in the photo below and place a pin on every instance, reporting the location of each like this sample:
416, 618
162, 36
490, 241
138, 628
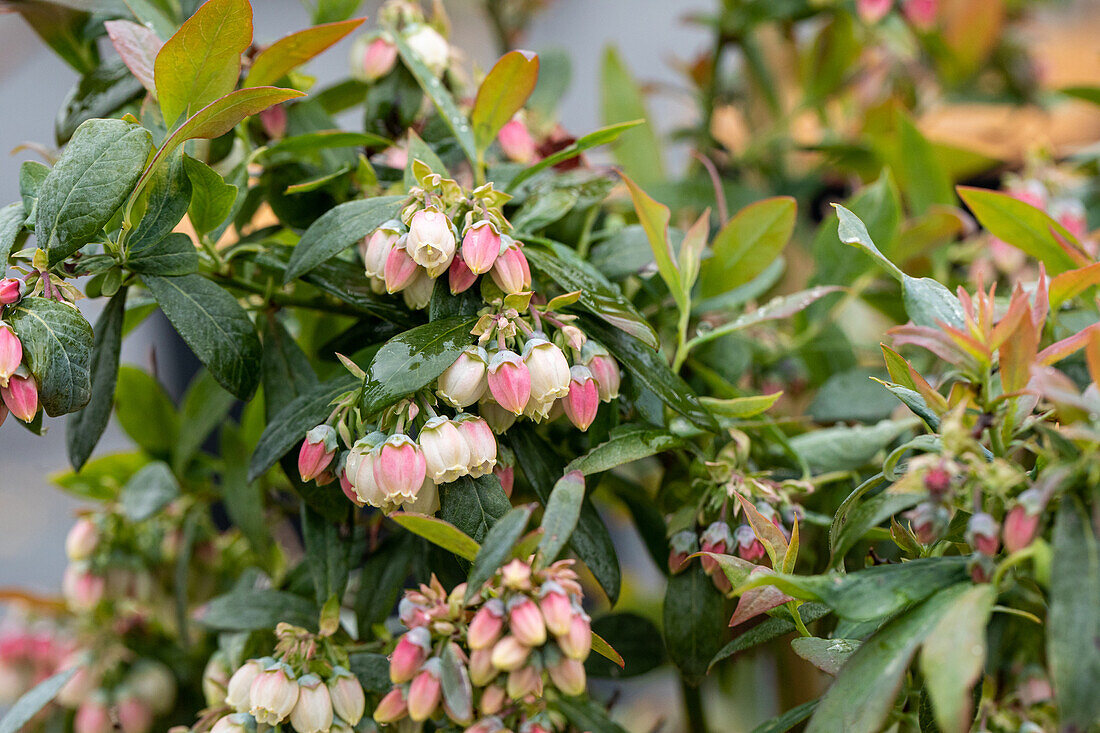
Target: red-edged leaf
1060, 350
290, 52
601, 647
773, 539
1072, 283
756, 601
138, 47
503, 93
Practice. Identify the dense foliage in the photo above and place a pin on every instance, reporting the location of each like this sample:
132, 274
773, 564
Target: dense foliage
451, 369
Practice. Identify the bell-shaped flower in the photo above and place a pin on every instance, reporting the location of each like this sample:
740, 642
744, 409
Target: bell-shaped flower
399, 468
431, 241
480, 246
509, 381
548, 367
511, 272
313, 711
583, 400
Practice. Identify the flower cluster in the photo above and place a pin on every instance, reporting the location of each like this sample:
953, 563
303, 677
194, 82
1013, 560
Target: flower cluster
109, 685
521, 636
18, 388
31, 650
304, 684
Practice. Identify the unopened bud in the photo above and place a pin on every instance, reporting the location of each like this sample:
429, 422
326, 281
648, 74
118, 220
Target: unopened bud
872, 11
492, 700
400, 270
463, 382
507, 477
82, 589
525, 622
604, 368
682, 545
482, 670
516, 141
498, 418
928, 521
93, 717
717, 538
983, 534
459, 276
578, 642
568, 676
240, 685
11, 290
1022, 521
425, 691
490, 724
375, 249
430, 47
509, 654
215, 679
392, 708
409, 655
480, 247
748, 546
556, 608
313, 711
583, 400
516, 574
317, 452
273, 120
82, 539
373, 58
523, 682
418, 294
937, 481
482, 443
921, 13
486, 625
511, 272
11, 353
509, 381
134, 714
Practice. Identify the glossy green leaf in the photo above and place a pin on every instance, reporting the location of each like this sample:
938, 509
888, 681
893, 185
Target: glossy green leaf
563, 509
626, 443
439, 532
412, 360
174, 255
95, 174
337, 229
372, 670
148, 491
497, 548
83, 430
138, 47
639, 151
503, 93
101, 478
203, 408
308, 143
747, 244
594, 139
454, 681
1026, 227
57, 348
474, 504
212, 198
868, 514
738, 408
326, 554
202, 61
253, 610
844, 448
695, 616
772, 628
145, 412
165, 201
286, 373
828, 655
33, 700
290, 52
214, 325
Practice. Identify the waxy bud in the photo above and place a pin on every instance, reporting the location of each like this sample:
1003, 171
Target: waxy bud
480, 246
81, 588
928, 521
516, 574
486, 625
93, 717
937, 481
682, 545
11, 290
21, 394
511, 272
376, 248
556, 608
482, 443
425, 691
345, 483
578, 642
482, 670
359, 468
82, 539
523, 682
392, 708
491, 724
492, 700
273, 120
748, 546
373, 58
446, 451
431, 241
717, 538
921, 13
273, 694
507, 477
134, 715
509, 654
317, 451
459, 276
463, 383
509, 381
548, 367
568, 676
400, 270
409, 654
313, 711
235, 723
983, 534
1022, 521
1071, 214
516, 141
583, 400
418, 294
981, 568
11, 353
872, 11
215, 680
525, 622
604, 368
431, 47
399, 469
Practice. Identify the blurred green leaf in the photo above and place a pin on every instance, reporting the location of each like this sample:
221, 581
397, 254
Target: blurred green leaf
621, 100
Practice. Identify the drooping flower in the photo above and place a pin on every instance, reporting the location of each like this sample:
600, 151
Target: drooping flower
583, 401
516, 141
348, 699
431, 241
399, 468
400, 269
317, 451
483, 444
273, 694
373, 57
480, 246
509, 381
446, 450
11, 353
511, 272
410, 653
425, 691
313, 711
463, 383
548, 367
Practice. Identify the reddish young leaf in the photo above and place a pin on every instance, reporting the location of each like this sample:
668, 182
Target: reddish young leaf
290, 52
503, 93
138, 46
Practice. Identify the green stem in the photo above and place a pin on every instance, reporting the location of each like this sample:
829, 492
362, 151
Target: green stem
683, 346
792, 606
693, 708
586, 232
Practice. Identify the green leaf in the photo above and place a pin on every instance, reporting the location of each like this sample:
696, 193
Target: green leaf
1024, 226
953, 656
295, 146
174, 255
12, 217
863, 694
32, 175
243, 499
788, 720
1073, 618
252, 610
166, 199
594, 139
852, 396
212, 198
148, 491
330, 11
214, 325
145, 412
90, 182
503, 93
202, 61
285, 369
695, 616
497, 548
828, 655
626, 443
83, 430
439, 532
868, 514
747, 244
769, 629
455, 683
102, 93
63, 29
33, 700
412, 360
738, 408
844, 448
920, 174
101, 478
474, 504
373, 671
634, 637
204, 407
326, 554
639, 152
654, 217
337, 229
288, 428
563, 509
290, 52
585, 714
441, 98
57, 348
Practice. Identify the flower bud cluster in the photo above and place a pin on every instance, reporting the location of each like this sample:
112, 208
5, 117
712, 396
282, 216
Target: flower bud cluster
30, 651
102, 690
523, 633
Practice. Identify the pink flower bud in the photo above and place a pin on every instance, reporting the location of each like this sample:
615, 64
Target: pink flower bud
492, 700
717, 539
273, 694
459, 276
134, 715
409, 654
748, 546
548, 367
516, 574
578, 642
983, 534
399, 469
981, 568
93, 717
928, 521
463, 383
872, 11
491, 724
347, 487
498, 418
400, 270
273, 120
583, 400
317, 451
523, 682
509, 381
721, 582
446, 451
425, 691
480, 247
681, 547
482, 670
235, 723
431, 241
376, 248
392, 708
921, 13
373, 58
11, 290
507, 477
509, 654
313, 711
1071, 214
556, 608
21, 395
82, 539
11, 353
568, 676
516, 141
485, 627
482, 443
937, 481
1022, 521
359, 468
511, 272
82, 590
604, 368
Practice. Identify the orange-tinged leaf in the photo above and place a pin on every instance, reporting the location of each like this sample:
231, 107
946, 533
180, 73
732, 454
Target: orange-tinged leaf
1092, 356
897, 367
769, 535
654, 217
1070, 284
1060, 350
1017, 355
503, 93
756, 601
290, 52
605, 650
138, 47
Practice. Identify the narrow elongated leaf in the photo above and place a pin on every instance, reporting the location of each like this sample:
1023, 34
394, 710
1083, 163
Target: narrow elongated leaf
83, 430
747, 244
290, 52
788, 720
497, 548
337, 229
585, 714
214, 325
695, 616
454, 680
327, 555
439, 532
639, 152
1026, 227
625, 444
737, 408
172, 256
503, 93
867, 514
12, 217
138, 47
34, 699
594, 139
312, 142
202, 61
95, 174
57, 348
654, 217
204, 407
563, 509
474, 504
920, 174
148, 491
146, 412
250, 610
